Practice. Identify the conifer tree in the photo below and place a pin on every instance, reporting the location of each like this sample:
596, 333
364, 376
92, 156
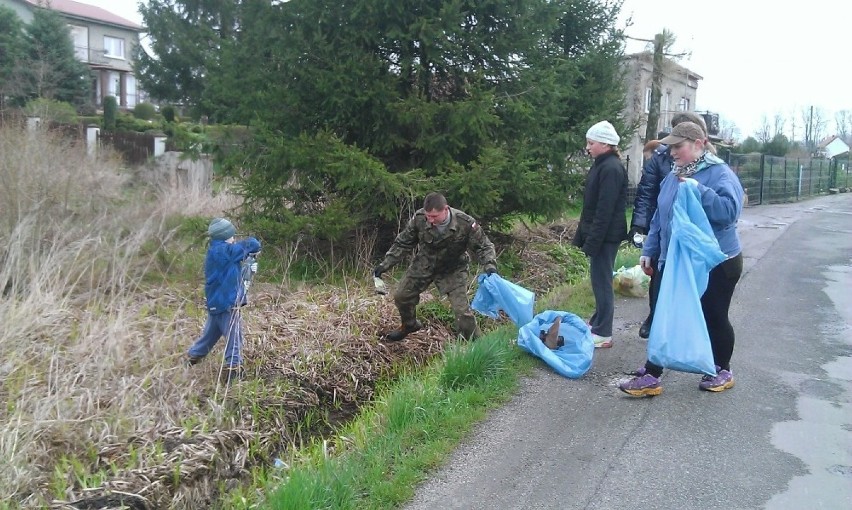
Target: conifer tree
50, 68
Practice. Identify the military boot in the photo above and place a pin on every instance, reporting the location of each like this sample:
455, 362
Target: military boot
468, 328
398, 334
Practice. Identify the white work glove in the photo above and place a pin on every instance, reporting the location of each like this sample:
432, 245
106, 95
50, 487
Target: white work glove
253, 267
645, 262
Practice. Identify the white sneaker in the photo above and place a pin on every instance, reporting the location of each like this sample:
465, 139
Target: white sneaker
602, 342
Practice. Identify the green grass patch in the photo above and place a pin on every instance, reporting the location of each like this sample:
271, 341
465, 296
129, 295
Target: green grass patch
628, 256
410, 430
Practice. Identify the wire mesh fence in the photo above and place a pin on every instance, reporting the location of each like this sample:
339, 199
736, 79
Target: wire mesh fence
773, 179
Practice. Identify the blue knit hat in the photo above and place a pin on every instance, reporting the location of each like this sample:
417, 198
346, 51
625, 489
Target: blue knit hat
221, 229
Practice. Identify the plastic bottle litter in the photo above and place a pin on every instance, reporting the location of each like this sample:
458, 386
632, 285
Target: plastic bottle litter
381, 288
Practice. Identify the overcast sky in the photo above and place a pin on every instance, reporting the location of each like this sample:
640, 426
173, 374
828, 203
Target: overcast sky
757, 57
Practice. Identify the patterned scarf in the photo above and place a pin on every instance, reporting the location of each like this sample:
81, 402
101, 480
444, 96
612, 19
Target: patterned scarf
690, 168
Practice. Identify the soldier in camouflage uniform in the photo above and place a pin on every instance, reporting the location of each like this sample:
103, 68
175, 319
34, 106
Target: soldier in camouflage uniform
442, 236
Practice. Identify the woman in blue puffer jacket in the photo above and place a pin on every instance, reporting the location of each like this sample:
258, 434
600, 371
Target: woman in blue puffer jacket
721, 196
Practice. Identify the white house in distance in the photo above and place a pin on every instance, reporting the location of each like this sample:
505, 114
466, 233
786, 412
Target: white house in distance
679, 88
103, 40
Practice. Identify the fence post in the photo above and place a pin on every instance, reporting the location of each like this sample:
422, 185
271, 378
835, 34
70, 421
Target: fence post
33, 123
159, 144
763, 183
92, 134
799, 183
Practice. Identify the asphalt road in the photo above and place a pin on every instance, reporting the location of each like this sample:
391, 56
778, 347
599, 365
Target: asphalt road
781, 439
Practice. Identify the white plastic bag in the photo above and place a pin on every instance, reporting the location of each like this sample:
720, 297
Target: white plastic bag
631, 281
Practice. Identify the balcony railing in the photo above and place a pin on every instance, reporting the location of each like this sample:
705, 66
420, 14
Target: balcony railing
91, 55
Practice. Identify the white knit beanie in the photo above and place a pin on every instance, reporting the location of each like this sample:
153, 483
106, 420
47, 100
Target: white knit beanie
603, 132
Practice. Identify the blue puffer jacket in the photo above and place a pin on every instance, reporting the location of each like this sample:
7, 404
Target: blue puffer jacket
648, 189
721, 196
223, 285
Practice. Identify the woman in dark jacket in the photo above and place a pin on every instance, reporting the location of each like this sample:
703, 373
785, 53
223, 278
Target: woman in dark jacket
603, 225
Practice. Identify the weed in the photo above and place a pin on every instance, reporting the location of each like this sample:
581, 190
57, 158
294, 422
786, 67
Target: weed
466, 364
436, 310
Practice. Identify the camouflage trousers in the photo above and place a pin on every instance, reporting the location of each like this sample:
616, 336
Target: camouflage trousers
453, 285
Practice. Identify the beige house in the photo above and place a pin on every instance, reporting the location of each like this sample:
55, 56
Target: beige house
679, 88
103, 40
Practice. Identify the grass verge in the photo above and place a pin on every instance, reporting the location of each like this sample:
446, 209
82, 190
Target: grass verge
409, 430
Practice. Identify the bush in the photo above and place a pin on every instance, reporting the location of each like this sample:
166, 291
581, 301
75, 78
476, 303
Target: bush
168, 112
144, 111
126, 122
49, 110
87, 110
97, 120
110, 113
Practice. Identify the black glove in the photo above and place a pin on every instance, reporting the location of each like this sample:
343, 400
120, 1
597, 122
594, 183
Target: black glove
491, 270
377, 272
634, 231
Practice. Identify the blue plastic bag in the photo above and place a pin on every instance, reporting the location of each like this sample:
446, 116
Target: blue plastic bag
495, 294
574, 358
679, 338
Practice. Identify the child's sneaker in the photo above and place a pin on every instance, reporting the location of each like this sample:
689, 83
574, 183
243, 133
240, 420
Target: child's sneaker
602, 342
644, 386
723, 380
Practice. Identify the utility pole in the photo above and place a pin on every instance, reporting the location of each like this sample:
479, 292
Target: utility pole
656, 89
811, 143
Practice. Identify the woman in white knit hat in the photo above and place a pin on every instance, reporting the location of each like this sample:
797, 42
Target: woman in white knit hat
603, 225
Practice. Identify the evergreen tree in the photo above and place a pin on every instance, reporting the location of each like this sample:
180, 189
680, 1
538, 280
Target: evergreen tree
51, 70
778, 146
362, 106
11, 54
187, 38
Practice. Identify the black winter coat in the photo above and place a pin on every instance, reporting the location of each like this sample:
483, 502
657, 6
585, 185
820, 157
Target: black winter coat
653, 173
604, 205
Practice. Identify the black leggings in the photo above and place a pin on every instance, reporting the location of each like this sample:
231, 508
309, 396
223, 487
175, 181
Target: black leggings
715, 303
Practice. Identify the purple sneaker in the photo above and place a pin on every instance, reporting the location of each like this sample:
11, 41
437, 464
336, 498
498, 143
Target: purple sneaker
642, 386
639, 372
723, 380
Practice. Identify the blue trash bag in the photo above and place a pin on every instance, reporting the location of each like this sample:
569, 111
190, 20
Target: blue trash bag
678, 339
571, 360
495, 294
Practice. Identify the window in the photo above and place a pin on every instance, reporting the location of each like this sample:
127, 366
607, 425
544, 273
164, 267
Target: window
648, 100
683, 106
113, 47
80, 37
130, 85
113, 85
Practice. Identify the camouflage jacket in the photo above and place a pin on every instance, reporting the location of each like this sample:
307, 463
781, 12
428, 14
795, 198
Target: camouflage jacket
441, 253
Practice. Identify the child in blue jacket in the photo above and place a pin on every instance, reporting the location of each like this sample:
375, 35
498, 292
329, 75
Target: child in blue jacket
225, 294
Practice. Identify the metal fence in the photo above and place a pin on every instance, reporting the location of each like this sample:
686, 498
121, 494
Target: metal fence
772, 179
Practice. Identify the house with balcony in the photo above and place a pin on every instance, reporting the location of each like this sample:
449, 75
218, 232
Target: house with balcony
103, 40
679, 89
